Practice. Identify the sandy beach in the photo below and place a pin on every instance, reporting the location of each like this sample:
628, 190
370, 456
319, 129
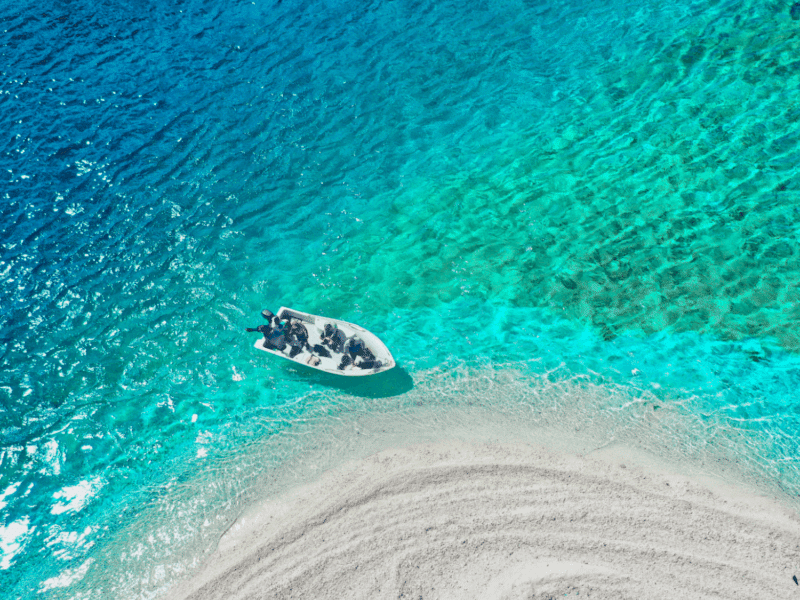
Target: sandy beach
506, 521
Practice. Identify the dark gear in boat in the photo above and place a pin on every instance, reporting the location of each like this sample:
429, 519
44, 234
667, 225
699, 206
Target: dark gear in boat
297, 336
321, 350
265, 329
369, 364
346, 361
334, 338
274, 338
355, 346
277, 336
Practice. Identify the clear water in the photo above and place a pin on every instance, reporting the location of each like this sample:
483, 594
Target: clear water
562, 212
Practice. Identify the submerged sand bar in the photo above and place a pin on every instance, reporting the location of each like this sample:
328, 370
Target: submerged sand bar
513, 521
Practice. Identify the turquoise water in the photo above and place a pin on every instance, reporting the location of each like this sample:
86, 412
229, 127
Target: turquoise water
583, 214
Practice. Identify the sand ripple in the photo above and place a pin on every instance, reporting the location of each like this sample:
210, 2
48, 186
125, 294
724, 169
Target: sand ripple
506, 521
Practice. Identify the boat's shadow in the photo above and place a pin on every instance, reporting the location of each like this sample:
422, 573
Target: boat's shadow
393, 382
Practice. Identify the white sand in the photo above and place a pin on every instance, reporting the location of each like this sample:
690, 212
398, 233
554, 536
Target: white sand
478, 520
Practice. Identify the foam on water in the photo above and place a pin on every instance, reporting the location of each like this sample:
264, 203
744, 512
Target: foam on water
572, 215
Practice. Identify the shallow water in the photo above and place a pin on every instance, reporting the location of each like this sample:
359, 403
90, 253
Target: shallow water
564, 213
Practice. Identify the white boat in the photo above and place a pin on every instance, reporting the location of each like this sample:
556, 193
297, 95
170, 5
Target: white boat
315, 326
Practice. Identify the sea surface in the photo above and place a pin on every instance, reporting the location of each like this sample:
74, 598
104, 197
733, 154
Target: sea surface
569, 213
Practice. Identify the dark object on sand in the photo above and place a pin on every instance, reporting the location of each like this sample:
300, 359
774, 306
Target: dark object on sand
795, 12
795, 579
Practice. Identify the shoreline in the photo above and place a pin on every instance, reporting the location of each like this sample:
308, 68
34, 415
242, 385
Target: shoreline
488, 519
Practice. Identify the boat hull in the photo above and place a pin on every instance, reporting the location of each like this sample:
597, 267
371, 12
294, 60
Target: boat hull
315, 325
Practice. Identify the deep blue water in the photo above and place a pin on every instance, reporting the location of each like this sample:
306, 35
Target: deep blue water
584, 214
